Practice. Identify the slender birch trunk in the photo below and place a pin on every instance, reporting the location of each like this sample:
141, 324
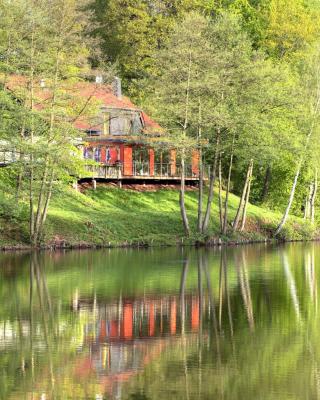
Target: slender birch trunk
21, 169
206, 219
314, 195
220, 195
46, 205
299, 166
200, 193
306, 213
45, 191
242, 200
31, 188
225, 217
291, 197
244, 213
183, 211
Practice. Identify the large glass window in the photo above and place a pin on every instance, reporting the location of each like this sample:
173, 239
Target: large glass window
125, 123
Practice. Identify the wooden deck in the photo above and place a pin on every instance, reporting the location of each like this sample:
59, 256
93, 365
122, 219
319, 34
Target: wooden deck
140, 172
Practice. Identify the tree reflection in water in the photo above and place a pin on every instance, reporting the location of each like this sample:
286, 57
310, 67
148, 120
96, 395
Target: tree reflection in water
224, 323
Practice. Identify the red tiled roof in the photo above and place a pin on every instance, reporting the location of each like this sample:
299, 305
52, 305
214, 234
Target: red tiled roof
90, 91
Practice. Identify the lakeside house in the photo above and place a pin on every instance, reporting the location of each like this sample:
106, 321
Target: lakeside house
120, 141
125, 141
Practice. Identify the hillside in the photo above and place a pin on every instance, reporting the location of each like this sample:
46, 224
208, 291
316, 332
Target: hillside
111, 217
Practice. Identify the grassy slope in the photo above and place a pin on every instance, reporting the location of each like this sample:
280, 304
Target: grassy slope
118, 216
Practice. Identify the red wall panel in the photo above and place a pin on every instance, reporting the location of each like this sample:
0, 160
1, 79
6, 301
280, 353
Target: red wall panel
127, 161
151, 162
195, 163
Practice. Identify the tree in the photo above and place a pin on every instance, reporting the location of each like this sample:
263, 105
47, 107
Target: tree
52, 56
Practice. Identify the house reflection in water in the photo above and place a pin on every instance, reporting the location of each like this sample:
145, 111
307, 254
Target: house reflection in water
127, 335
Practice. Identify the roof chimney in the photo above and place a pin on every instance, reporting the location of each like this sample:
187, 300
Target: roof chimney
117, 87
99, 79
42, 83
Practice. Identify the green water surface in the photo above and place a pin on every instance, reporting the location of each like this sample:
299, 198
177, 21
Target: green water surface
234, 323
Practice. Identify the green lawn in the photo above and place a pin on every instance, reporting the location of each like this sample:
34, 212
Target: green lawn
120, 216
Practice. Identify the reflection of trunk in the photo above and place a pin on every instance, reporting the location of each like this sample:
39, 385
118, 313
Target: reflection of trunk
200, 266
31, 323
311, 276
182, 291
212, 304
183, 317
200, 262
220, 291
243, 197
225, 270
211, 185
245, 289
43, 315
226, 203
292, 285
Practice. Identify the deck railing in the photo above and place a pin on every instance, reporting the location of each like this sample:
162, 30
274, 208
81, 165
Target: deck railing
105, 171
142, 169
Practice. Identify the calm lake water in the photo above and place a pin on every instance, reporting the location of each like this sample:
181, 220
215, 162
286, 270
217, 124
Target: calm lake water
238, 323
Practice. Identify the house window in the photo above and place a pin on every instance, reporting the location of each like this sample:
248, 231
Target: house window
88, 153
97, 154
108, 155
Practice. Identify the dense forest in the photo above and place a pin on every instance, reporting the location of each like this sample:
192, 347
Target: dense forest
237, 80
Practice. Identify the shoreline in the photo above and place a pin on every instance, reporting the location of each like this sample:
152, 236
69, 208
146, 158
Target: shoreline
146, 245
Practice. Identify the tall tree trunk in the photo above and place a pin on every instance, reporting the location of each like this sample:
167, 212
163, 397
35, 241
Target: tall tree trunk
184, 134
244, 191
183, 211
266, 184
292, 192
225, 217
220, 195
31, 160
313, 197
200, 193
244, 213
21, 168
306, 145
41, 195
213, 169
46, 206
306, 213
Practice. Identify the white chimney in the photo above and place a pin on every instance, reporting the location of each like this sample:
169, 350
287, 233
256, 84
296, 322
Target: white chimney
42, 83
99, 79
117, 87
